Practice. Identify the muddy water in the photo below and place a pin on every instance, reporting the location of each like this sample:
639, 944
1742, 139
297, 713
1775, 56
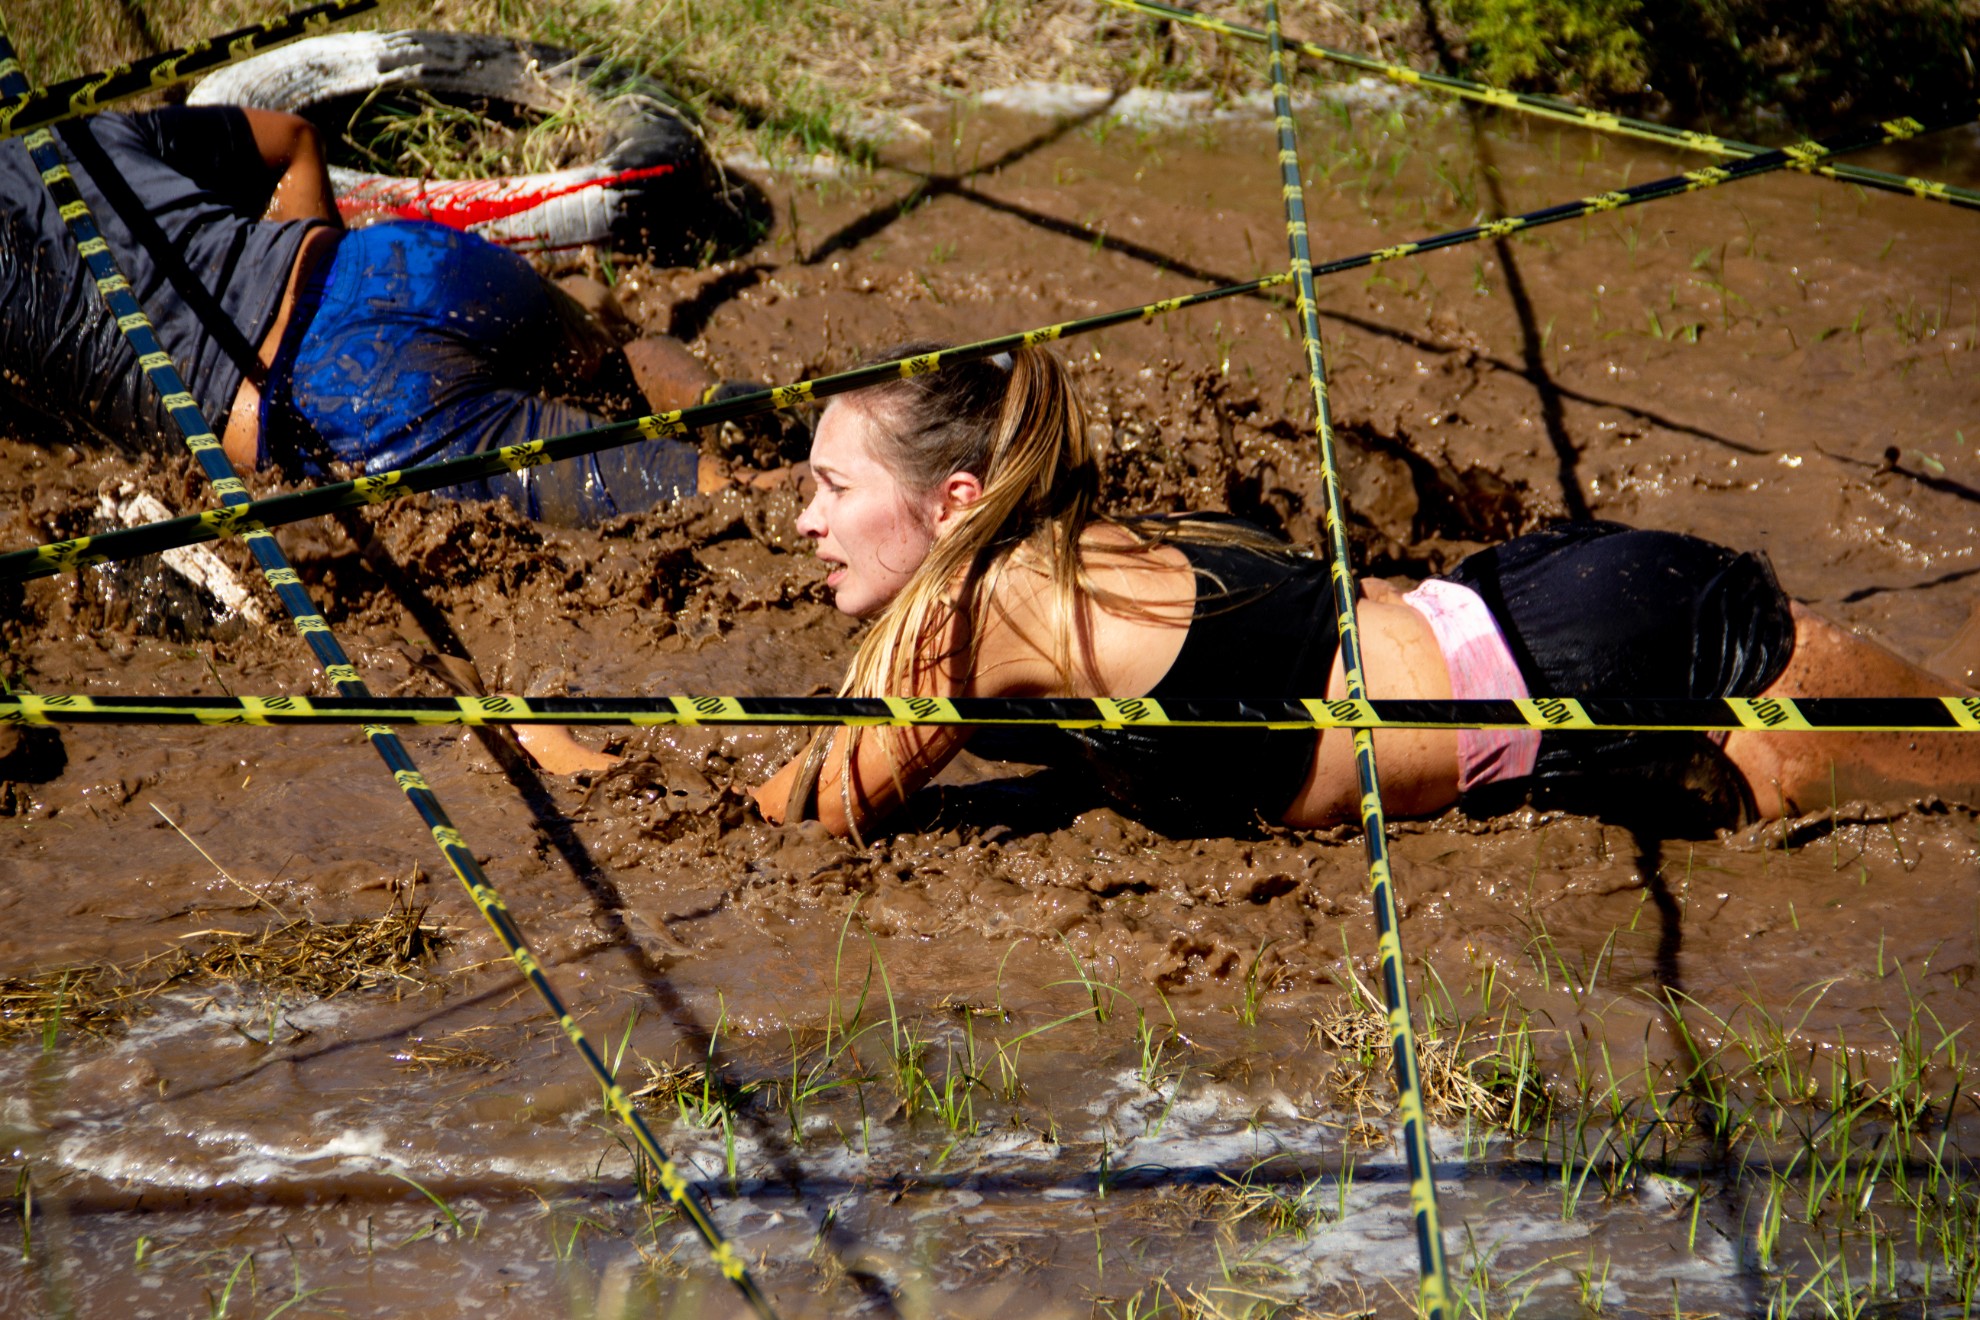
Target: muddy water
1734, 364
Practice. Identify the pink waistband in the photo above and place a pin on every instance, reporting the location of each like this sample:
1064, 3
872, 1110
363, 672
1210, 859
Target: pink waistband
1481, 667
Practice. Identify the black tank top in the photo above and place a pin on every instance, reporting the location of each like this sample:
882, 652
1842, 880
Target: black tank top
1264, 626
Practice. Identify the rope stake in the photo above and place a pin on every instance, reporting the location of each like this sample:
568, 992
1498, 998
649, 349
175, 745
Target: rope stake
1434, 1289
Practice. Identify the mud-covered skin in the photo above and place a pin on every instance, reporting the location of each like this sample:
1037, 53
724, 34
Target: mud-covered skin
655, 887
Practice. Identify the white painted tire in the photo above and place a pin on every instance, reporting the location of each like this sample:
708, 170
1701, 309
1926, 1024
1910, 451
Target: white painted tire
652, 189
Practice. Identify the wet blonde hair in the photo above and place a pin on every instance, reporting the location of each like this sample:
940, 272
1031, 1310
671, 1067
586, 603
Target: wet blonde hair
1018, 425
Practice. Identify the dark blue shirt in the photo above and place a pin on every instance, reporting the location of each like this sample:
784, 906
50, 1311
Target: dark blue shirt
177, 194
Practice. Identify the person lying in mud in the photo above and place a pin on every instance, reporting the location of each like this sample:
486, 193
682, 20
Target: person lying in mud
958, 512
400, 343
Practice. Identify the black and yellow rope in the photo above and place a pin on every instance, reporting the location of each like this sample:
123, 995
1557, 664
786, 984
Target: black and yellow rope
245, 519
1547, 107
24, 109
1434, 1289
1547, 714
205, 447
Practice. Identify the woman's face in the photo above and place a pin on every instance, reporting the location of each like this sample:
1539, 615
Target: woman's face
868, 525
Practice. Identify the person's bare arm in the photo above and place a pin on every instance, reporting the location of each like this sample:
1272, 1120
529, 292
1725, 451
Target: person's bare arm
888, 767
289, 143
1012, 659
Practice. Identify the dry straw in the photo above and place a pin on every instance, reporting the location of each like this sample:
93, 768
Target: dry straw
296, 957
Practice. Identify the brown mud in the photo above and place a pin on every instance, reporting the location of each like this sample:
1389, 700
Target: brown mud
1786, 365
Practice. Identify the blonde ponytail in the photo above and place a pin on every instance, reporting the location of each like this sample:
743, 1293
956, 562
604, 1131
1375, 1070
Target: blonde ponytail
1021, 431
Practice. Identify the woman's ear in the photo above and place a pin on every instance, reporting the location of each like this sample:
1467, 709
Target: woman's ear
958, 491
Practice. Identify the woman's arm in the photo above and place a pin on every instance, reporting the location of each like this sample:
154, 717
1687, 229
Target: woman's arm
1022, 627
879, 783
887, 766
891, 765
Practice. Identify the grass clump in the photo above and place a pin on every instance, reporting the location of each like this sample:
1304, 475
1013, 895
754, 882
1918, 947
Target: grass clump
418, 135
1278, 1206
454, 1051
1487, 1079
785, 80
810, 77
1723, 64
1591, 47
1824, 63
1838, 1160
303, 957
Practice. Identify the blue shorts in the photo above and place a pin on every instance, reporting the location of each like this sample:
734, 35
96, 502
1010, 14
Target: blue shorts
416, 343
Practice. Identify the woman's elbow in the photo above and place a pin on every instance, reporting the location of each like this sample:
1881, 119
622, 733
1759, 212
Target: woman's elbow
304, 140
839, 800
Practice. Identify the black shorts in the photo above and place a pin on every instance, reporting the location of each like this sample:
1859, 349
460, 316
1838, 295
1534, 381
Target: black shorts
1596, 609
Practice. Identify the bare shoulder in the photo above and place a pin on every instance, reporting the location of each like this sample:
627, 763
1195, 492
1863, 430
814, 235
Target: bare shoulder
1133, 603
1016, 632
1122, 571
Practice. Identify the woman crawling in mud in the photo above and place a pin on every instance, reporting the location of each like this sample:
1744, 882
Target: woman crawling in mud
958, 510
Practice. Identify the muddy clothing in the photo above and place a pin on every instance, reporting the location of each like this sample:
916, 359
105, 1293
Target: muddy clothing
1587, 609
1596, 609
1263, 626
416, 343
413, 343
176, 194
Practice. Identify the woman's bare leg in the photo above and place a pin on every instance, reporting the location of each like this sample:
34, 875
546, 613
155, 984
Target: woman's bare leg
1419, 767
1790, 773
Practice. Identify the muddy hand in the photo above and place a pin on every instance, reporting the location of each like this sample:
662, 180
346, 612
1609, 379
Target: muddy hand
553, 749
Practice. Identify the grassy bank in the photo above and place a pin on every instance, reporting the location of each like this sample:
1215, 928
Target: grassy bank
1815, 63
802, 77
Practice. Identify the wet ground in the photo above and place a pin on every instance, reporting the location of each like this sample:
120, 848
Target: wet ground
1024, 1056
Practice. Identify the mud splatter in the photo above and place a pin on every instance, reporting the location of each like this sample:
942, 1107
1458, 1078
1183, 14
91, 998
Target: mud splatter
1733, 364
